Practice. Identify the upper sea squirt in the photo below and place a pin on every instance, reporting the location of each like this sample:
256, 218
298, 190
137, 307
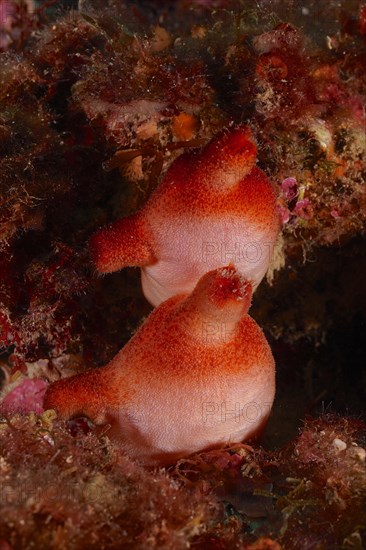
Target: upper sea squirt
213, 207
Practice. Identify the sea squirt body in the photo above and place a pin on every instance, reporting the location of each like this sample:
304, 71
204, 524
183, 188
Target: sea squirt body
213, 207
197, 375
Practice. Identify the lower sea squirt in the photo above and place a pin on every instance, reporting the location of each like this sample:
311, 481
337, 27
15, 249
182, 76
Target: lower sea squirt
198, 374
213, 207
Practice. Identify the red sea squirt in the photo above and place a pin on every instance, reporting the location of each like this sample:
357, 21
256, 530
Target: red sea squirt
198, 374
213, 207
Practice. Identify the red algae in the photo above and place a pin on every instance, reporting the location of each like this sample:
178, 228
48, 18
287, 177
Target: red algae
237, 497
61, 490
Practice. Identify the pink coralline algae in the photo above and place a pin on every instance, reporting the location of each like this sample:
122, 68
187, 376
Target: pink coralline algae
304, 209
11, 14
289, 188
335, 214
289, 207
26, 397
7, 11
